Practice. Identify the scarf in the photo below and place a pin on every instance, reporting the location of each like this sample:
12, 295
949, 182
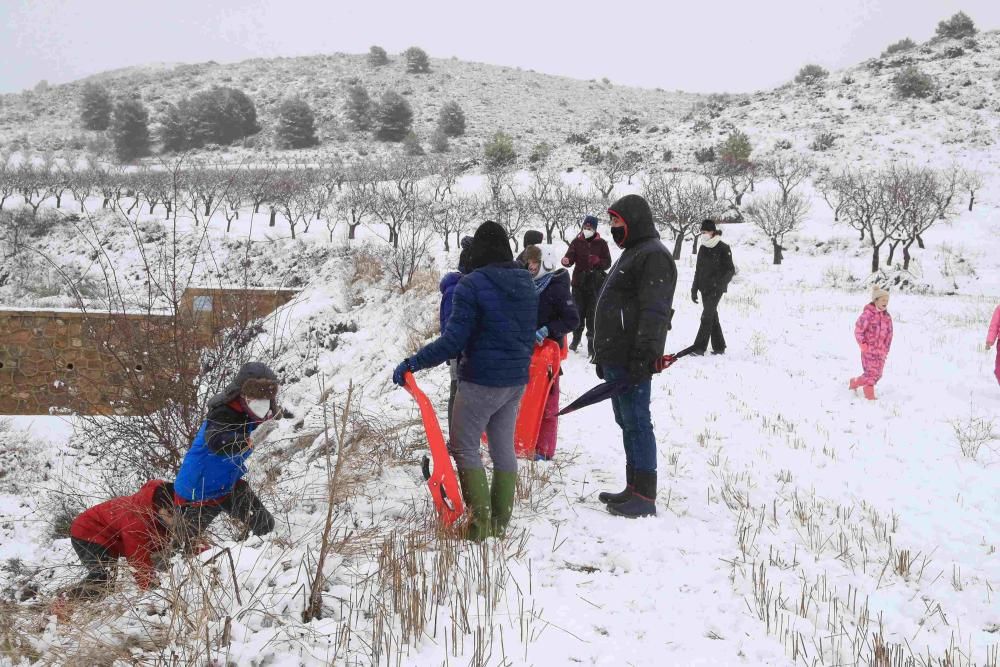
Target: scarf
712, 242
542, 281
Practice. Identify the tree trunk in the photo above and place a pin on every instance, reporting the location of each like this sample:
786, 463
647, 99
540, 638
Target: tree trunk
920, 242
739, 198
784, 200
208, 207
152, 206
274, 214
351, 230
130, 208
862, 234
972, 199
678, 244
906, 256
447, 248
170, 207
777, 251
58, 200
892, 253
291, 226
694, 246
256, 206
229, 223
876, 259
2, 200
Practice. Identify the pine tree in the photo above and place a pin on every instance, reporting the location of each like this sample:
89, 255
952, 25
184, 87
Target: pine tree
95, 107
130, 130
411, 144
296, 124
393, 117
377, 57
417, 61
452, 119
358, 109
735, 149
174, 127
220, 115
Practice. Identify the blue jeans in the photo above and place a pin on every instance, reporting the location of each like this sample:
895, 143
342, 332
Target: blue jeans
632, 414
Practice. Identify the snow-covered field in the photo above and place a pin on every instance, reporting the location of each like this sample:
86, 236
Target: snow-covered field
798, 523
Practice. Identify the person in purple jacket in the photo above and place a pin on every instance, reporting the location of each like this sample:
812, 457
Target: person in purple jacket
447, 286
557, 317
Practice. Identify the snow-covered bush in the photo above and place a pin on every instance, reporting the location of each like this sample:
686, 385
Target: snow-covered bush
956, 27
911, 82
811, 74
904, 44
417, 61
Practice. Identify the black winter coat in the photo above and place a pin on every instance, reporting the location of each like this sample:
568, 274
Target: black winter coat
556, 309
714, 269
633, 309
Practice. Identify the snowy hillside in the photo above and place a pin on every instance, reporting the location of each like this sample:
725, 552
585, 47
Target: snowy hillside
798, 523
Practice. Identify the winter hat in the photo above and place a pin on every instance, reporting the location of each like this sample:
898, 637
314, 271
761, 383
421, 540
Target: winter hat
709, 226
489, 246
532, 237
878, 293
463, 258
589, 221
466, 242
253, 370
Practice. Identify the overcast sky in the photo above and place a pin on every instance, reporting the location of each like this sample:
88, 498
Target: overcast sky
691, 45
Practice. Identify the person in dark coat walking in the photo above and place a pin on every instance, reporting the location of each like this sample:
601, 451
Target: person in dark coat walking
557, 316
590, 257
210, 480
712, 274
531, 237
492, 325
135, 527
632, 319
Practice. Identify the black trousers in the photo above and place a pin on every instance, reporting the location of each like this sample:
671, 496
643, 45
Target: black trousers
585, 297
96, 559
710, 329
242, 504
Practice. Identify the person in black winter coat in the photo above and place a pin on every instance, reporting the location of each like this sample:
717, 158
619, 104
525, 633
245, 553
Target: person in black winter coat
631, 322
531, 237
557, 316
712, 274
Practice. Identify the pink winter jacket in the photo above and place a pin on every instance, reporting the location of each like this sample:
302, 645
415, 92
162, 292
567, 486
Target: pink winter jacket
994, 331
873, 331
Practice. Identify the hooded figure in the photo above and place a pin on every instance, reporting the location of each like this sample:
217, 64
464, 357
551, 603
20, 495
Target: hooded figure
210, 479
531, 237
590, 257
631, 323
557, 316
492, 326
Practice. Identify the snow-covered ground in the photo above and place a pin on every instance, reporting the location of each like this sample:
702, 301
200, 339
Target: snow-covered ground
798, 522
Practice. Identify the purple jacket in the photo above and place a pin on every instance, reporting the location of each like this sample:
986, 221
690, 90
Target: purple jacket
556, 309
448, 283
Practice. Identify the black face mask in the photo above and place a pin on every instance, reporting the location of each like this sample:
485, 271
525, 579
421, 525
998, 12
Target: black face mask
619, 234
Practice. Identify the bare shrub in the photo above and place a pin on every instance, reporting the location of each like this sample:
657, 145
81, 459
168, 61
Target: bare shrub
973, 434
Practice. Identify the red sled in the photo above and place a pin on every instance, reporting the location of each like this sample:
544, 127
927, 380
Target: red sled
542, 372
442, 481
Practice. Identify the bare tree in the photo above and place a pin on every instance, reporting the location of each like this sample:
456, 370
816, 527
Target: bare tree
8, 182
919, 197
411, 236
679, 204
776, 215
972, 183
609, 168
788, 171
715, 175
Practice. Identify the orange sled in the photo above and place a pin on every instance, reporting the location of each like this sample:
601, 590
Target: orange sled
442, 481
542, 373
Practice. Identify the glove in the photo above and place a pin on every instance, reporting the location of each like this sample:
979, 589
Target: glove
594, 262
640, 369
565, 261
541, 335
397, 375
694, 294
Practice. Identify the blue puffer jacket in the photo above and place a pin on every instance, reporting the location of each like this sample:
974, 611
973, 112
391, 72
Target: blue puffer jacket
218, 455
492, 325
448, 284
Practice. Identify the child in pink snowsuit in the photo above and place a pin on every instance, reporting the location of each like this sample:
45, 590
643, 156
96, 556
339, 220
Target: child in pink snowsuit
991, 337
873, 332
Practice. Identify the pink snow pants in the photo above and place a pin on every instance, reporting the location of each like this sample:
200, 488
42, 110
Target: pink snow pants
546, 445
996, 367
873, 364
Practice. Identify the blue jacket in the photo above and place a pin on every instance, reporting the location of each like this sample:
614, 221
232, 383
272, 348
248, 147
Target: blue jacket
448, 283
556, 309
218, 455
492, 325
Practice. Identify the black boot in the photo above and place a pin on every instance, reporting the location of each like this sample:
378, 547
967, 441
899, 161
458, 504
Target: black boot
575, 343
590, 346
643, 500
608, 498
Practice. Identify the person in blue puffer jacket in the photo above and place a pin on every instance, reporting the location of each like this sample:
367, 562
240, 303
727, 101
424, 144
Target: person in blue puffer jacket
492, 325
210, 480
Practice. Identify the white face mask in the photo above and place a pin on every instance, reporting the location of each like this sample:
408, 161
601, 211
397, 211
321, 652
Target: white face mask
588, 233
259, 407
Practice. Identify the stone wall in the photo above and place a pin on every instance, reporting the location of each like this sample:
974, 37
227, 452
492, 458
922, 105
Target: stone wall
96, 363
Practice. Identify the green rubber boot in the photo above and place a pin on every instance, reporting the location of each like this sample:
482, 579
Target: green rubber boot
502, 498
476, 495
